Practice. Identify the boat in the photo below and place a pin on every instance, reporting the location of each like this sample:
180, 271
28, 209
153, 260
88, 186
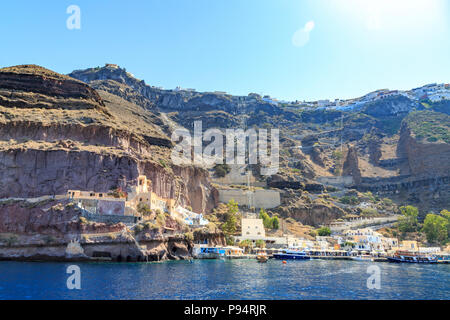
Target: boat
291, 255
261, 255
363, 257
328, 254
443, 258
262, 258
411, 257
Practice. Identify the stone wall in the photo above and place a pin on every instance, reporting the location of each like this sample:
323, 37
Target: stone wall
266, 199
341, 181
110, 219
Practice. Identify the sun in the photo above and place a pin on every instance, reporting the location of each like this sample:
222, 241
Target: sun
392, 14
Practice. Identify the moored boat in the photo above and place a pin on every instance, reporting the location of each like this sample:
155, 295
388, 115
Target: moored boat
362, 257
443, 258
262, 258
411, 257
291, 255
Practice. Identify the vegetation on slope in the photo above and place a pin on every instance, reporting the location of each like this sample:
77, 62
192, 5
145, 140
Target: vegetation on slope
429, 126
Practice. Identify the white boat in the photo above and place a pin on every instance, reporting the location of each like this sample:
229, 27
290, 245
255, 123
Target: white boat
362, 257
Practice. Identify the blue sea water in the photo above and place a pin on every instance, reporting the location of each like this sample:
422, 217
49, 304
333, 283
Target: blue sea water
229, 279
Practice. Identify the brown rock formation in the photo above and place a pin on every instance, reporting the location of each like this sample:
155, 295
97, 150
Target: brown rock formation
351, 167
314, 214
424, 158
374, 146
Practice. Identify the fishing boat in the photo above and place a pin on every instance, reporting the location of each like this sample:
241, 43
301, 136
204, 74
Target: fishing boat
291, 255
411, 257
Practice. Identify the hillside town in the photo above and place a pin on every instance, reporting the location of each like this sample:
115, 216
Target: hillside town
118, 206
351, 244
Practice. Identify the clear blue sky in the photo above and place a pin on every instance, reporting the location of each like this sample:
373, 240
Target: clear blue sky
288, 49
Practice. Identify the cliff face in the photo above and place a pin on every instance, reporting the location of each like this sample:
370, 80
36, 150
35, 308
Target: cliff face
71, 137
312, 214
42, 231
50, 218
391, 106
424, 158
190, 105
16, 84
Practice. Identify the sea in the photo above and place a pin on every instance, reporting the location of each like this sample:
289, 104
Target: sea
224, 279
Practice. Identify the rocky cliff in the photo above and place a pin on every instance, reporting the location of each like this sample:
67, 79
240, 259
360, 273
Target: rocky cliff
43, 230
73, 137
425, 143
215, 109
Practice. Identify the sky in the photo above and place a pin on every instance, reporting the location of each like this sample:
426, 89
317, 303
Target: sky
290, 50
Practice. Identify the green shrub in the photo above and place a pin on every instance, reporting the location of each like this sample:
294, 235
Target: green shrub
230, 225
324, 232
260, 244
189, 236
351, 200
144, 209
408, 221
221, 170
436, 228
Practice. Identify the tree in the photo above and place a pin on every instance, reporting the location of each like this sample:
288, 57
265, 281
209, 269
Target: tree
230, 225
260, 243
229, 240
324, 232
275, 223
245, 244
435, 228
221, 170
144, 209
408, 221
446, 215
267, 222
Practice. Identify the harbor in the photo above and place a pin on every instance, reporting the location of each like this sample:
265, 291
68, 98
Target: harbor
296, 254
